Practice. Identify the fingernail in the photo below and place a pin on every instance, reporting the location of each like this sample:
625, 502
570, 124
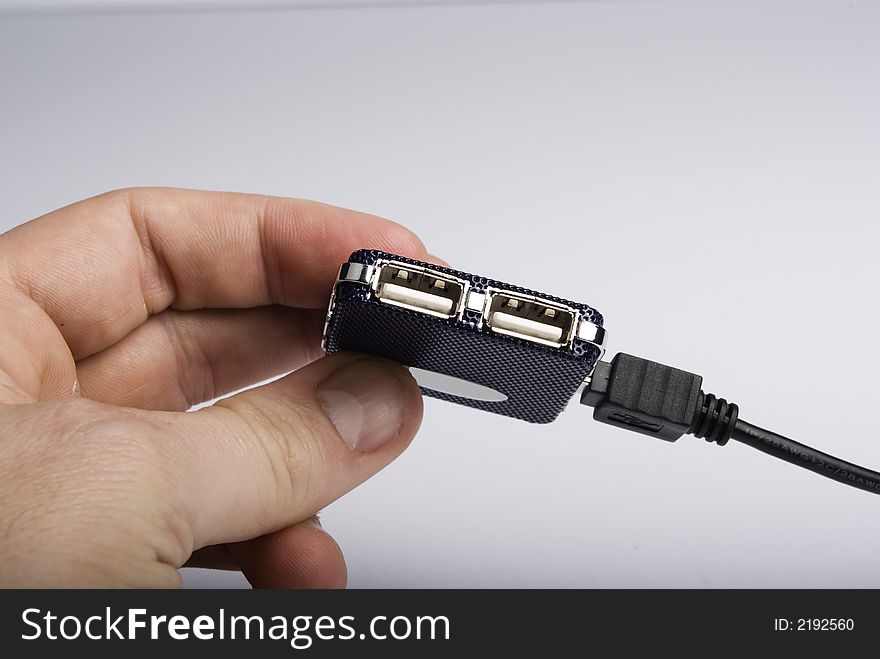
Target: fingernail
314, 522
365, 401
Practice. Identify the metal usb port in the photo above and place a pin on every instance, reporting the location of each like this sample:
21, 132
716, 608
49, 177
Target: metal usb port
419, 289
530, 318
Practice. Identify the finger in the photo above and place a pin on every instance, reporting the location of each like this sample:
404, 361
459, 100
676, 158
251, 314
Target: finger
215, 557
273, 456
35, 363
179, 358
300, 556
99, 268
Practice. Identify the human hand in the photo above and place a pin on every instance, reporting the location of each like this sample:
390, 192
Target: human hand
120, 313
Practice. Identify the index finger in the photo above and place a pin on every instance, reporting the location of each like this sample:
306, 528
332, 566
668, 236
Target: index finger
99, 268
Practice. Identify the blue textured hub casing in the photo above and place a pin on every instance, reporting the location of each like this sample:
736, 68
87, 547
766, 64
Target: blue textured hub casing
538, 380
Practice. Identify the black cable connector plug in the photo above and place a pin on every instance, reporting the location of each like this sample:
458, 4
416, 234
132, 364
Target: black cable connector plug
664, 402
657, 400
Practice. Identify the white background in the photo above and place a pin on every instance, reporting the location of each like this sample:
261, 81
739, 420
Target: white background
707, 174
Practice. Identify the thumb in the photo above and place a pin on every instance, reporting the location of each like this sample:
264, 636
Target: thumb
273, 456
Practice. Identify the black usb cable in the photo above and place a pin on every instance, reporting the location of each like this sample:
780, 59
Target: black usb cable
665, 402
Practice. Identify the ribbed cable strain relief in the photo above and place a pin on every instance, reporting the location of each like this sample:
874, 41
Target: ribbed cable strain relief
715, 419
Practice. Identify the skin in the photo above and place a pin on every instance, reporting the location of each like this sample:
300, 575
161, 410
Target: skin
122, 311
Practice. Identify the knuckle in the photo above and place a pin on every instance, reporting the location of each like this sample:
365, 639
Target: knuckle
289, 436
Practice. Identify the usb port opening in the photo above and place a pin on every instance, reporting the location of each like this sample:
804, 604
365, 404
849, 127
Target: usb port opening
530, 318
419, 289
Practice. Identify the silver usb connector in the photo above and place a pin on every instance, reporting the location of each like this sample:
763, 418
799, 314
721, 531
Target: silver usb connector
530, 318
420, 289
